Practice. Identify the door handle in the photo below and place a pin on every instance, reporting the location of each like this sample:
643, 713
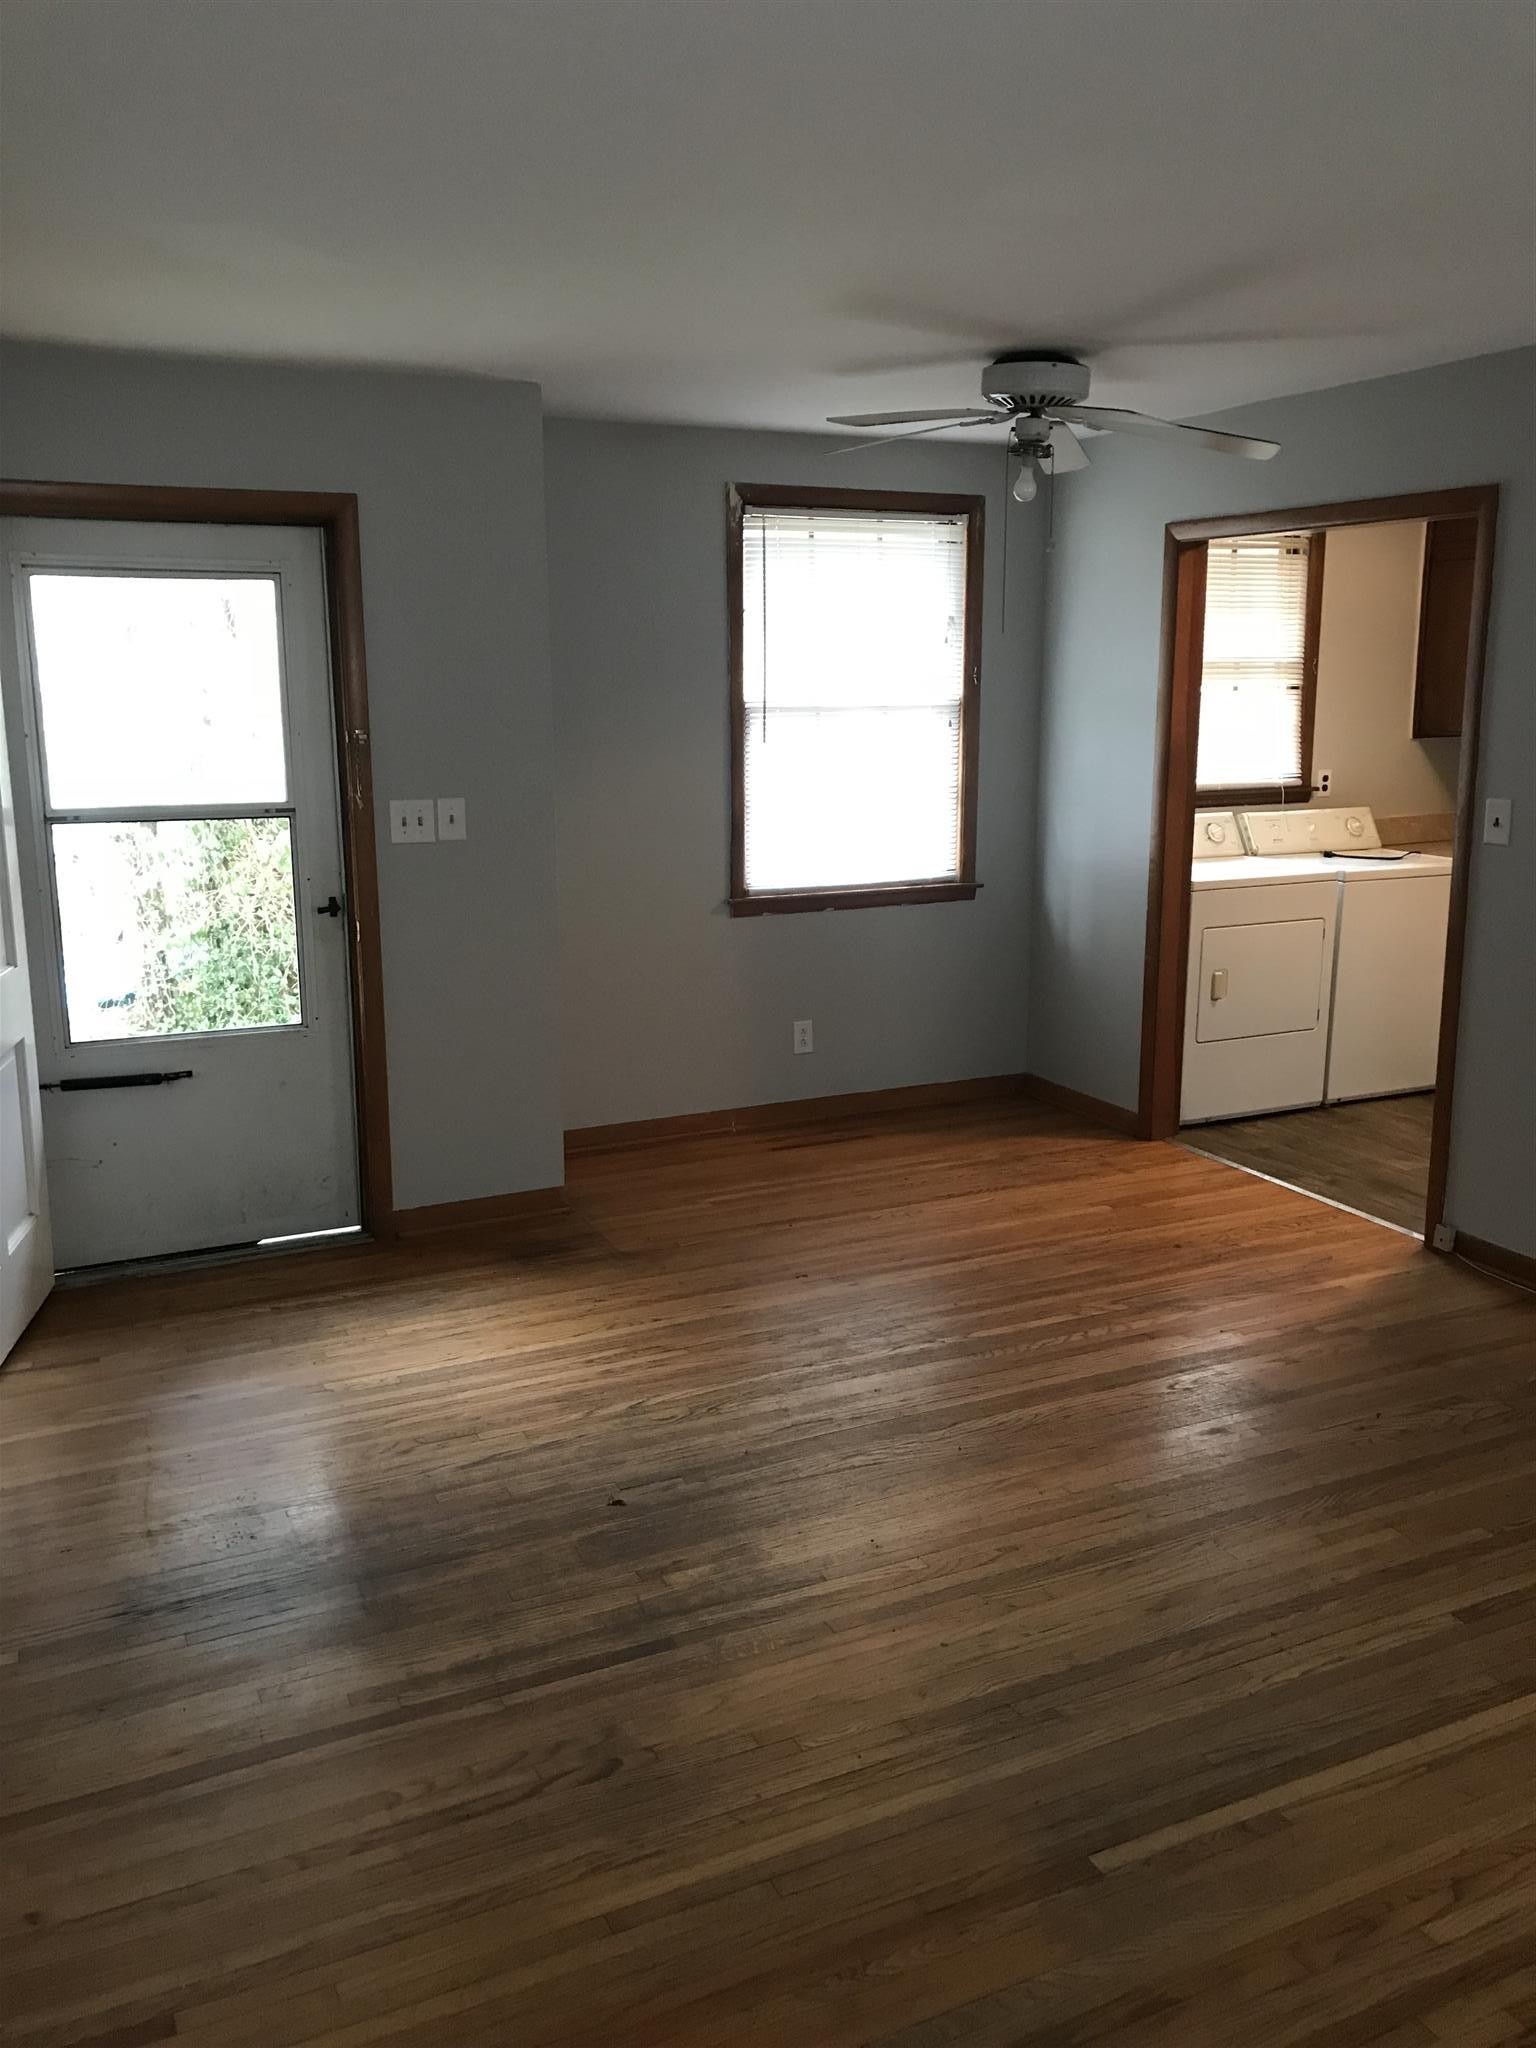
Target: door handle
329, 908
1218, 984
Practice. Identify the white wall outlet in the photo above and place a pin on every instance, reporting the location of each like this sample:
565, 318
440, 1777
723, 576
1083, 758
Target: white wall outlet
1496, 821
412, 820
452, 822
804, 1038
1325, 782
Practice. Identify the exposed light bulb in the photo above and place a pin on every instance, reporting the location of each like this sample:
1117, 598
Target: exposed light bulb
1026, 482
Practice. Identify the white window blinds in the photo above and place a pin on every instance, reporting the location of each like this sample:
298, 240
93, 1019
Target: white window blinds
1252, 683
853, 674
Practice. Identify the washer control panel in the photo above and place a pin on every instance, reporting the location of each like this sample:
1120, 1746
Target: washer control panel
1298, 830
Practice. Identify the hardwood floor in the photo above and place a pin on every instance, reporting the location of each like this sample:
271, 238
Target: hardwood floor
1372, 1156
960, 1578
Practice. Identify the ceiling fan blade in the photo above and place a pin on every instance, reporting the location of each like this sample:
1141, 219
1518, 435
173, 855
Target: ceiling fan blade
988, 419
1067, 452
956, 415
1110, 420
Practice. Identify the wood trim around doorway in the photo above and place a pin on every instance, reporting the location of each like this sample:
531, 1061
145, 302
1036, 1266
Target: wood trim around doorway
334, 513
1178, 724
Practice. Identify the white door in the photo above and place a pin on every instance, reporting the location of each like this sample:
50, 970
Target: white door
26, 1254
169, 703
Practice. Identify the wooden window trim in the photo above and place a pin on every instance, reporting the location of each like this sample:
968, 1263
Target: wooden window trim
1301, 790
742, 498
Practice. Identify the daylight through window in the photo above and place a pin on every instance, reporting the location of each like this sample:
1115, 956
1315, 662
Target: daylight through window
1255, 700
855, 764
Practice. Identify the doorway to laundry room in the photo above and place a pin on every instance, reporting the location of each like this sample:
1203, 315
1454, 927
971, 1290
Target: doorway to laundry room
1323, 680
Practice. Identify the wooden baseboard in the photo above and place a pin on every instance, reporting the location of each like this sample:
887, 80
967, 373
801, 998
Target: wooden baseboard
437, 1217
1497, 1259
653, 1130
1093, 1108
530, 1203
772, 1116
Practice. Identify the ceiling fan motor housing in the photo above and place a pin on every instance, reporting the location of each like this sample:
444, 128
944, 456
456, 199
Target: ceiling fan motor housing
1035, 383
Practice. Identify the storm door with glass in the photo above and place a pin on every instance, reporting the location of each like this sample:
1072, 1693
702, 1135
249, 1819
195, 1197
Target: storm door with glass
173, 752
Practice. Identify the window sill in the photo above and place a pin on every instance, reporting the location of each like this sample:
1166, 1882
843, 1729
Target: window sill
1286, 793
768, 901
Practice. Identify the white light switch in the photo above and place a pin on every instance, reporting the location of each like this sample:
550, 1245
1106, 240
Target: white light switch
411, 820
1496, 821
451, 821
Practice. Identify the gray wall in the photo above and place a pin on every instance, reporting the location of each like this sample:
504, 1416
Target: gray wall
1097, 728
448, 478
669, 1004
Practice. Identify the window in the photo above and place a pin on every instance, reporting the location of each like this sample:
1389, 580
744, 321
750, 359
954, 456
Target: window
855, 654
1263, 598
166, 814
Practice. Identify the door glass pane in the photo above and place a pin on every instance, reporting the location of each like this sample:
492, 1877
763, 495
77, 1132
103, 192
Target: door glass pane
158, 690
183, 925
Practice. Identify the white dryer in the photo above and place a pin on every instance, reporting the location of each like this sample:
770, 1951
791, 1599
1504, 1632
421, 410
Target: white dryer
1259, 991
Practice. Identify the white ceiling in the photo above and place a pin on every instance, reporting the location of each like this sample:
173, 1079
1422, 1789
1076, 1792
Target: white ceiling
756, 211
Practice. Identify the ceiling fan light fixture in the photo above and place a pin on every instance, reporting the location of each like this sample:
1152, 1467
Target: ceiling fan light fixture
1026, 481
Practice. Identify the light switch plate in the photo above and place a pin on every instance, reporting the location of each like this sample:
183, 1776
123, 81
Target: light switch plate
452, 822
411, 820
1496, 821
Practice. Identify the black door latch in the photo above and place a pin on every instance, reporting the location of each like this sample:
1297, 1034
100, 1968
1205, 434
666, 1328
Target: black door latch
78, 1084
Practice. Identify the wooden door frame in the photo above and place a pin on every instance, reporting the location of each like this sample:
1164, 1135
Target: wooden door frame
334, 515
1178, 725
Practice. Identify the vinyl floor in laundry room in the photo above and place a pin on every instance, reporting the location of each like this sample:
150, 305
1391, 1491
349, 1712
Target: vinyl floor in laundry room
958, 1577
1372, 1156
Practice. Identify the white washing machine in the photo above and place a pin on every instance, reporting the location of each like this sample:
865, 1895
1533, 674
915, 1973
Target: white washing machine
1389, 962
1259, 993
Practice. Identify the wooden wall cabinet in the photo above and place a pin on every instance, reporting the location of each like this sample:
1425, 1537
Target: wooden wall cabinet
1445, 628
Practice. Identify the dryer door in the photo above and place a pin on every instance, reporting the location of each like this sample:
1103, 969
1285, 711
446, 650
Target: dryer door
1260, 979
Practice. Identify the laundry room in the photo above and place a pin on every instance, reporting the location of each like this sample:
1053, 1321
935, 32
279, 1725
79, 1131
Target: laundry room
1332, 691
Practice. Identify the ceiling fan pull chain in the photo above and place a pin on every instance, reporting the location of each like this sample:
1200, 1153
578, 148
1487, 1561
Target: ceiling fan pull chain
1007, 507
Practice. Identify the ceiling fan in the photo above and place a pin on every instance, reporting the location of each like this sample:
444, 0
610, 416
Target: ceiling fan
1039, 399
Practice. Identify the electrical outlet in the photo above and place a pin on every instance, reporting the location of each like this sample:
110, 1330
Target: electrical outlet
1496, 821
451, 820
804, 1039
1325, 782
411, 820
